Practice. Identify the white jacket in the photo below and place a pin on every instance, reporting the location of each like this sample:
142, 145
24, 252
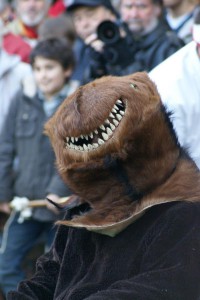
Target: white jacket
178, 82
13, 74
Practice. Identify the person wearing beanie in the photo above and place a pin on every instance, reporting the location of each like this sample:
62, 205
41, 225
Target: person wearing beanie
90, 50
87, 15
177, 80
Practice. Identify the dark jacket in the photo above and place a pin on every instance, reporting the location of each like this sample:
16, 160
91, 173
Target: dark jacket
156, 46
24, 143
82, 60
91, 65
155, 258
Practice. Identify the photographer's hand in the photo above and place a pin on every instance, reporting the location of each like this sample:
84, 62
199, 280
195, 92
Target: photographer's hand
93, 41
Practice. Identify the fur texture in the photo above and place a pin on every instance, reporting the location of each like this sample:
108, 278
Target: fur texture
138, 163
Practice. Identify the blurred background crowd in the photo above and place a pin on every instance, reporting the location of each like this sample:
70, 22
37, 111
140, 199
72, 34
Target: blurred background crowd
48, 48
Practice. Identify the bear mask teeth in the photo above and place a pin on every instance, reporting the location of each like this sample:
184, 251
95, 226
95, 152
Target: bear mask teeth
93, 140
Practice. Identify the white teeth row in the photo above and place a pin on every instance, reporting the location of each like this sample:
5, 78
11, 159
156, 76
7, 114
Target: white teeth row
105, 135
84, 147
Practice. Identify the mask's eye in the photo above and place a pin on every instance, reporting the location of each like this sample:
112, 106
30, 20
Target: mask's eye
134, 86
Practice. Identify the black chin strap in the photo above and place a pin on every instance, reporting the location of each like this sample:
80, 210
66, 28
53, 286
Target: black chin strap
117, 169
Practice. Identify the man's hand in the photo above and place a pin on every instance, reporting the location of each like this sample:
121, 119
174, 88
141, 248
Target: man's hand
5, 208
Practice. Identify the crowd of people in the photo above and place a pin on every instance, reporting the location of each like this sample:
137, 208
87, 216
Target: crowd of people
48, 49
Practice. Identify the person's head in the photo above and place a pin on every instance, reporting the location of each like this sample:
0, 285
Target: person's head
88, 14
141, 15
32, 12
61, 26
52, 61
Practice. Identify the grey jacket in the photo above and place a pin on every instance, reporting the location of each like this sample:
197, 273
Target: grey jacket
23, 142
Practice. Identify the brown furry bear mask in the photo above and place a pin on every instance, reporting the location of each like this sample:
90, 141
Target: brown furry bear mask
117, 151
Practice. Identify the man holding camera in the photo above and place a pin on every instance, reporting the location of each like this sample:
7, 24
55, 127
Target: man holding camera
102, 48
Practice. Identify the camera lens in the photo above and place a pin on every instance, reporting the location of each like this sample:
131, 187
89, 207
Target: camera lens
108, 32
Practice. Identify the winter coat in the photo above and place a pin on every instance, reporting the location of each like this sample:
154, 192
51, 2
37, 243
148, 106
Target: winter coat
156, 46
149, 260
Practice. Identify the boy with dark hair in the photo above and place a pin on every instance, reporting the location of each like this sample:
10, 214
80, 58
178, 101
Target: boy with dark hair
54, 49
24, 142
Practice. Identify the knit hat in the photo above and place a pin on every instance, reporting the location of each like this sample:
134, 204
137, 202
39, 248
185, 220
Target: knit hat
72, 4
196, 26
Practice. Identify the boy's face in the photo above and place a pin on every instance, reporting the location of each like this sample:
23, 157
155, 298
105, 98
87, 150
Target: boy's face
49, 75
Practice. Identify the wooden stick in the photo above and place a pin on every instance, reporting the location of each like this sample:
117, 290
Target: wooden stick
40, 203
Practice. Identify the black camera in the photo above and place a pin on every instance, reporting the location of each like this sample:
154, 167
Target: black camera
118, 55
118, 50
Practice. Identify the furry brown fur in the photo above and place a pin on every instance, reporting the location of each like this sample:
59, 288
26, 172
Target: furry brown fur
139, 165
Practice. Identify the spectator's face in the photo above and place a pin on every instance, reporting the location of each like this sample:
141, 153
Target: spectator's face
139, 14
32, 12
87, 19
49, 75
